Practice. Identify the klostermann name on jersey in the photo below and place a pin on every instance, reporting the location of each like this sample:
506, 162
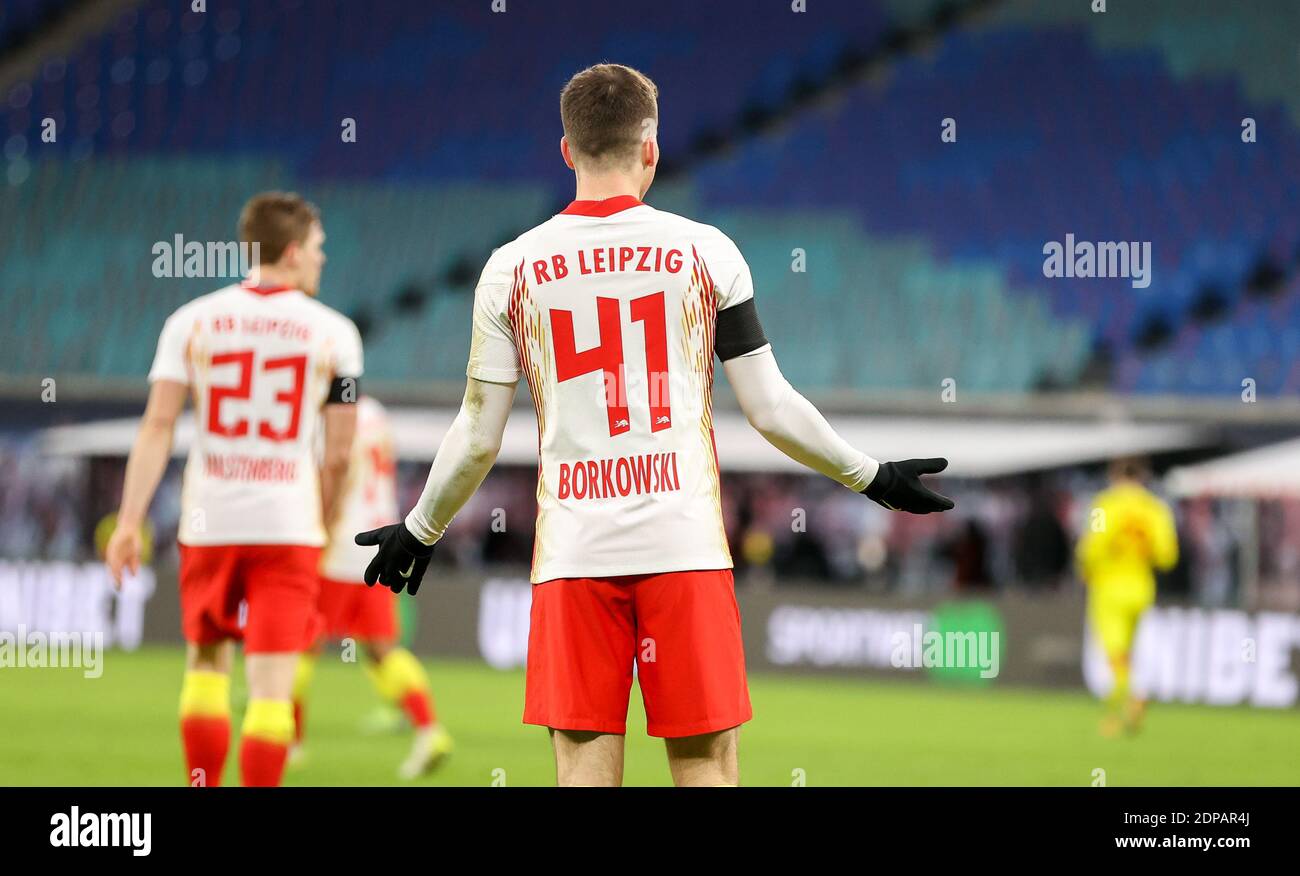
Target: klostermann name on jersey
259, 363
608, 311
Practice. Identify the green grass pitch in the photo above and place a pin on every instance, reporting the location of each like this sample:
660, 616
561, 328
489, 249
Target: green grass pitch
64, 729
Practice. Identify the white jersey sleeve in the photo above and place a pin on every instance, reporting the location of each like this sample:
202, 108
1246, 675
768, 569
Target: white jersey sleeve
493, 356
347, 356
170, 361
733, 282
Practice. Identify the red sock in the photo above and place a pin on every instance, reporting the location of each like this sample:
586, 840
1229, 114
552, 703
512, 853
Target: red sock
419, 708
206, 740
261, 763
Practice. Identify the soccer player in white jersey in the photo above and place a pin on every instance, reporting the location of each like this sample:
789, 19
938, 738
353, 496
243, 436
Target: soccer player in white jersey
368, 615
613, 311
267, 365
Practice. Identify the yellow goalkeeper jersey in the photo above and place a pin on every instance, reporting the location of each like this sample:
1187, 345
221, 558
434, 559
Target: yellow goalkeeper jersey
1129, 535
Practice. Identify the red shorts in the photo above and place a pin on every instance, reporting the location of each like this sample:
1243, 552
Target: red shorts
277, 581
354, 610
682, 631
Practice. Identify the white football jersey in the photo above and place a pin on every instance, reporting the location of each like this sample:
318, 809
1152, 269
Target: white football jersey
369, 498
259, 363
608, 310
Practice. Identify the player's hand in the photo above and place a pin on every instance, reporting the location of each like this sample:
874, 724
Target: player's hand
401, 560
898, 487
123, 552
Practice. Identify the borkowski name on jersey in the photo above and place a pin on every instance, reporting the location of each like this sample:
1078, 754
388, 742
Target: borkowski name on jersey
608, 311
647, 473
259, 363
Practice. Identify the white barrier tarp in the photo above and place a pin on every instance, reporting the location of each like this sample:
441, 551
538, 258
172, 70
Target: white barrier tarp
986, 447
1273, 470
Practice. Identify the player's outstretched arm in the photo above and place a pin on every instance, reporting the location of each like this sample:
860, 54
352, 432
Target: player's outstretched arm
144, 469
340, 421
795, 427
463, 460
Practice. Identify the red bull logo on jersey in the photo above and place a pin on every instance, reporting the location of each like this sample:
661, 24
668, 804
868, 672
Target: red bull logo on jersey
621, 476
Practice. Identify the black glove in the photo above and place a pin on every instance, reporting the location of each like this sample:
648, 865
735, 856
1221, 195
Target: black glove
897, 486
401, 560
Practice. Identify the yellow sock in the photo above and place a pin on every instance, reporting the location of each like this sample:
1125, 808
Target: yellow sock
377, 681
269, 720
398, 674
303, 673
205, 694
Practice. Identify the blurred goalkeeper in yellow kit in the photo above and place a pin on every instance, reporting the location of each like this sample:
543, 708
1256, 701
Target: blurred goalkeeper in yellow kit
1128, 537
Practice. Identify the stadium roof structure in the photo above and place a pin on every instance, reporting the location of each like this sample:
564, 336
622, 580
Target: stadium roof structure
975, 448
1272, 470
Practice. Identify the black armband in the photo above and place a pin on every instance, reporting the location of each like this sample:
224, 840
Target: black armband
738, 331
344, 391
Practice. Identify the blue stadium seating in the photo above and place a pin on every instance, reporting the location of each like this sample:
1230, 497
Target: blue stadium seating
1065, 125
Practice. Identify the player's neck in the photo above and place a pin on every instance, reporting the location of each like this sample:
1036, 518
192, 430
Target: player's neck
265, 276
606, 186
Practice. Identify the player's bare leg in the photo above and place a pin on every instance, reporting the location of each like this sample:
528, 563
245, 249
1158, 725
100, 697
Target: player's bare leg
401, 679
205, 711
270, 676
709, 760
216, 657
584, 758
268, 722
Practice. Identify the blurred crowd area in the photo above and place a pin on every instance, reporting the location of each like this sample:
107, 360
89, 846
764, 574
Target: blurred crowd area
785, 530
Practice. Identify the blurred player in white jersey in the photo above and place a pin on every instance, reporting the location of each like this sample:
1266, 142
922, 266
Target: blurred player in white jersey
613, 312
368, 615
267, 366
